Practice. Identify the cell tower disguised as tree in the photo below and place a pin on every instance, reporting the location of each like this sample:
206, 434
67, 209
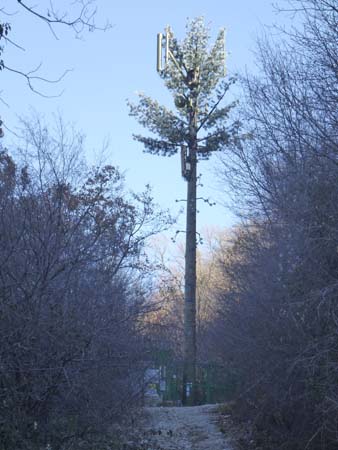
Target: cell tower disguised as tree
195, 74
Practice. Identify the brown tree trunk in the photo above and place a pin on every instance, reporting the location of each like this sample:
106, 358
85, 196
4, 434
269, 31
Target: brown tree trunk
189, 369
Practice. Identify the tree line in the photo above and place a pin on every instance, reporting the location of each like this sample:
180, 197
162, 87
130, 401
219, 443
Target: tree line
278, 314
280, 321
73, 288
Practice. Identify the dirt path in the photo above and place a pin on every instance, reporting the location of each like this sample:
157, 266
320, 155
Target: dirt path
184, 428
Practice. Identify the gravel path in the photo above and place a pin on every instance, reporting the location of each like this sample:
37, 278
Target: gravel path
185, 428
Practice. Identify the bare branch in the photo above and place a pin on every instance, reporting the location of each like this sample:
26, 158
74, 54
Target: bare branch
31, 78
84, 20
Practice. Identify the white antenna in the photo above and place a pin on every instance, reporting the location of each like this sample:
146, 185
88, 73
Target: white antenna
164, 41
159, 52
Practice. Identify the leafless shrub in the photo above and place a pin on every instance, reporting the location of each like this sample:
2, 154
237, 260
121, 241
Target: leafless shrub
71, 294
279, 311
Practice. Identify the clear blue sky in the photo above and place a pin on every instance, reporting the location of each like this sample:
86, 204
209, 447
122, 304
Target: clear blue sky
110, 67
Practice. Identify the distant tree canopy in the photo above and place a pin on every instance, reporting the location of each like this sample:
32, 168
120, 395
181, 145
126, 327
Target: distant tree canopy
165, 322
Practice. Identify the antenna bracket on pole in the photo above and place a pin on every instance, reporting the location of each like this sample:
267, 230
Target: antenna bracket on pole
185, 163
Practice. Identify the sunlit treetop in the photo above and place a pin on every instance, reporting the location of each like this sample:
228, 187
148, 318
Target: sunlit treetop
195, 75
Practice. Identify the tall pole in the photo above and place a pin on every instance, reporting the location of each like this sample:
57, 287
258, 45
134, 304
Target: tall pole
189, 367
189, 102
194, 82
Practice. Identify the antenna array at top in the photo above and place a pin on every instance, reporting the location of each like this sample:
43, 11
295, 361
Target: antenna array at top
163, 41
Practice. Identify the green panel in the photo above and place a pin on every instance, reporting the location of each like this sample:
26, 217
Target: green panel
215, 383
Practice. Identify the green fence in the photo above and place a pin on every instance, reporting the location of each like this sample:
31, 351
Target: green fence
215, 383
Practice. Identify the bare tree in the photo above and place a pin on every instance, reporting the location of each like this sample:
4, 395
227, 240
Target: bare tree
72, 290
279, 314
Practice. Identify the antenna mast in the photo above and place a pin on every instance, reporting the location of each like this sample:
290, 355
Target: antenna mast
189, 172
